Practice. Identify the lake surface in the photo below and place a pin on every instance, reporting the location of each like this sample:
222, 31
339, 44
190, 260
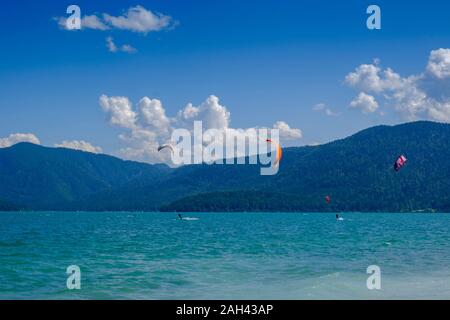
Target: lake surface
224, 256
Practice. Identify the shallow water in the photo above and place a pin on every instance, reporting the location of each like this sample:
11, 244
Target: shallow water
224, 256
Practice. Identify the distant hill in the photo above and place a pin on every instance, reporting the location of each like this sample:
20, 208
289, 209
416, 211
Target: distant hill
356, 172
49, 178
7, 206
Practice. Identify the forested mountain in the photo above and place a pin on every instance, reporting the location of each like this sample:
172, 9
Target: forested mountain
356, 172
6, 206
46, 178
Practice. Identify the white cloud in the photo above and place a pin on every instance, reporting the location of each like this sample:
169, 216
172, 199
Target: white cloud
128, 49
370, 77
87, 22
93, 22
365, 102
147, 126
439, 63
287, 132
135, 19
421, 96
153, 116
112, 47
139, 19
14, 138
213, 115
79, 145
119, 111
322, 107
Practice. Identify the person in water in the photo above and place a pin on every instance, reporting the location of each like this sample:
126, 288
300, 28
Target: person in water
180, 217
337, 216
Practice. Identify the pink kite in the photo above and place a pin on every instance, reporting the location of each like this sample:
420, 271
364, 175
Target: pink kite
400, 162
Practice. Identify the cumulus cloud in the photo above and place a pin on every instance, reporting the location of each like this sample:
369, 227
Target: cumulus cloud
286, 132
213, 115
135, 19
14, 138
370, 77
139, 19
439, 63
93, 22
365, 102
147, 125
322, 107
79, 145
153, 116
421, 96
112, 47
119, 111
87, 22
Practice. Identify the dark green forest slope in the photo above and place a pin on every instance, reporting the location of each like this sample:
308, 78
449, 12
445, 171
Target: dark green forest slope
356, 172
47, 178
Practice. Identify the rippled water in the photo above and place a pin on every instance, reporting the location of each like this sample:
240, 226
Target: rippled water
223, 256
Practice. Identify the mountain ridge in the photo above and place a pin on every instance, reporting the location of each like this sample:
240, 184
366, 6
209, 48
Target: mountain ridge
42, 177
355, 171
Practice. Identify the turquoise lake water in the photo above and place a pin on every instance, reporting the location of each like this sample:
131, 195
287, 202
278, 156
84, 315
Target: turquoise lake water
224, 256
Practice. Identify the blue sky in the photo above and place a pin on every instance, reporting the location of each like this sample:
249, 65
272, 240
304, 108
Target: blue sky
266, 61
